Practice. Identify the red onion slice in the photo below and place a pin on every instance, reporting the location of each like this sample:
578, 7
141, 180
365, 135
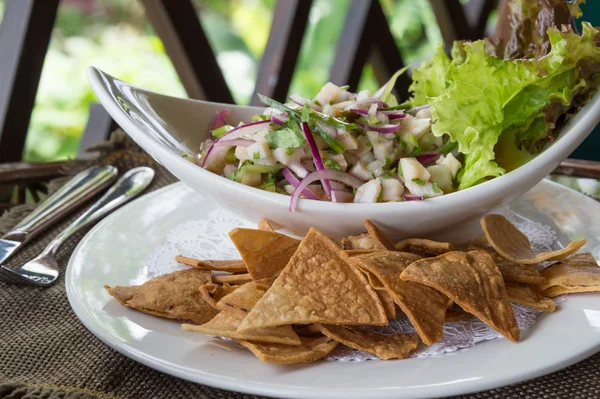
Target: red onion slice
316, 155
359, 111
394, 114
412, 197
246, 129
289, 176
366, 102
297, 99
324, 174
427, 158
279, 119
385, 129
218, 121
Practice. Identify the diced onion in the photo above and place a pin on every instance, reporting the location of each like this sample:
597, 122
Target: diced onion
324, 174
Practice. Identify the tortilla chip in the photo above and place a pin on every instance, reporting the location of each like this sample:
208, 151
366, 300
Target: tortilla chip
530, 297
381, 240
317, 286
384, 347
515, 246
231, 278
231, 266
212, 293
388, 303
423, 247
263, 224
173, 296
243, 299
225, 324
577, 273
307, 330
425, 307
360, 241
452, 316
312, 349
514, 272
264, 252
356, 252
473, 281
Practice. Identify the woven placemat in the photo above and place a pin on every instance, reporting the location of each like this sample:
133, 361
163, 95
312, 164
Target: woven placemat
45, 351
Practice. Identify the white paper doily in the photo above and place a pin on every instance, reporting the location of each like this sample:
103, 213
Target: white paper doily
208, 239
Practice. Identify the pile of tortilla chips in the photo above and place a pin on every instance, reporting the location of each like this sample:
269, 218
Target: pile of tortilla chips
291, 301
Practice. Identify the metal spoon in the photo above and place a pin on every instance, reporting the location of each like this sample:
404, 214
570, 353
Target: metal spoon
43, 270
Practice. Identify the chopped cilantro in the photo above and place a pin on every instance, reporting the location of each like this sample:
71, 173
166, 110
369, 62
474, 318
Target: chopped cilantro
416, 151
290, 137
353, 191
345, 87
316, 102
290, 151
331, 102
331, 163
256, 155
380, 196
436, 188
231, 176
418, 181
400, 170
388, 162
448, 147
404, 144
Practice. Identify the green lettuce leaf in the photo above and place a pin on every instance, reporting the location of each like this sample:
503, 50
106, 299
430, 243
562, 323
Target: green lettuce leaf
487, 96
429, 80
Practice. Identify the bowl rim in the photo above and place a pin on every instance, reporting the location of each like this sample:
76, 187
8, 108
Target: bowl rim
559, 150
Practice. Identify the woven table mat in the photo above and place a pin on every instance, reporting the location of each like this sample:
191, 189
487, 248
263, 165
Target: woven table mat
45, 351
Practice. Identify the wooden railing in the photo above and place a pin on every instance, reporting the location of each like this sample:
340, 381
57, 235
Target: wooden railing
27, 26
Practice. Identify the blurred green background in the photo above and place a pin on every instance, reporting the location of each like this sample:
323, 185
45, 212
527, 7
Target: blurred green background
115, 36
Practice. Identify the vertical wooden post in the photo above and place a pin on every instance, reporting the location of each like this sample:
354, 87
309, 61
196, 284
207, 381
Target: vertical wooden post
24, 37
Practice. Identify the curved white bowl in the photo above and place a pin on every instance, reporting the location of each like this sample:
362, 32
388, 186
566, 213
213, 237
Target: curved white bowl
166, 127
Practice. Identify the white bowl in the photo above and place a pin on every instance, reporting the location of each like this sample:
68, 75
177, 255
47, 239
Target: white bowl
166, 127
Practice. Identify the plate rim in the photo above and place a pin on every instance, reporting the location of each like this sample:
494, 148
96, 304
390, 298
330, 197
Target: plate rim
273, 389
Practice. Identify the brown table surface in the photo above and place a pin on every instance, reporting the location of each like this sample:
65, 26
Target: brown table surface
45, 351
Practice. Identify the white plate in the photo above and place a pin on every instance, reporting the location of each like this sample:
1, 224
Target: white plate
116, 250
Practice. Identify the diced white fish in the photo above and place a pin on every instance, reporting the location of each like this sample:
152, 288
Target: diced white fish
368, 192
383, 147
288, 156
412, 169
360, 171
392, 189
329, 92
453, 164
441, 175
348, 140
376, 167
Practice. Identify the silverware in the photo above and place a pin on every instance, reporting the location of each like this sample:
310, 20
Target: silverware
81, 187
43, 270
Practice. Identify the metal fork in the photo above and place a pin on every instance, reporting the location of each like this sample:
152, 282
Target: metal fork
43, 270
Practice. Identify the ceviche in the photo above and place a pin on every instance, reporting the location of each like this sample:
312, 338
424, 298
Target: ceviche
473, 115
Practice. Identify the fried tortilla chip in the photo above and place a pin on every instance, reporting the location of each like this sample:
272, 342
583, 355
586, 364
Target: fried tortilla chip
226, 323
231, 266
577, 273
355, 252
361, 241
173, 296
307, 330
452, 316
243, 299
515, 246
317, 286
425, 307
473, 281
384, 347
530, 297
212, 293
381, 240
312, 349
423, 247
263, 224
514, 272
388, 303
264, 252
231, 278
